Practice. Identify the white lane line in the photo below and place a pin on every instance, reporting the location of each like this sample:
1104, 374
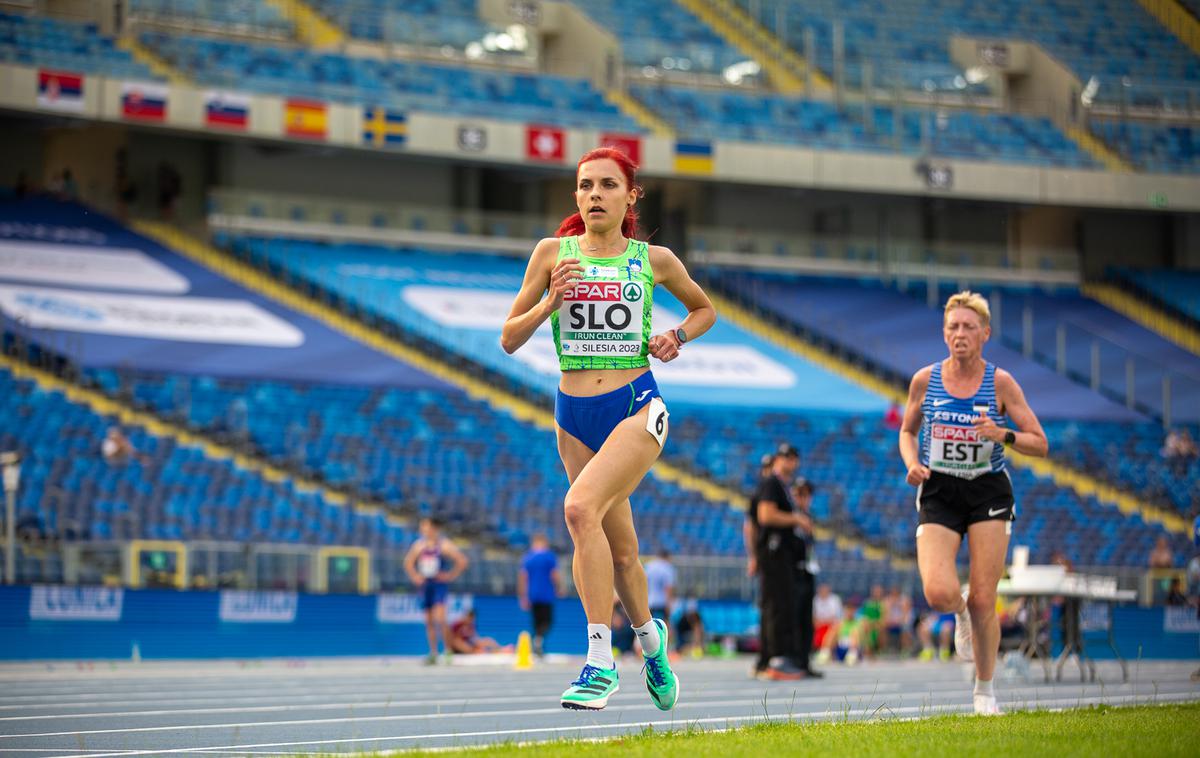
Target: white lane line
837, 704
1056, 704
393, 701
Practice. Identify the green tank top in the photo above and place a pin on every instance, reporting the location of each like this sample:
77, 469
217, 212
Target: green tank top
604, 321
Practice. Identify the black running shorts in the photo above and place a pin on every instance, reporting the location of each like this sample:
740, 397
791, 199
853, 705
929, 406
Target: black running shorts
956, 503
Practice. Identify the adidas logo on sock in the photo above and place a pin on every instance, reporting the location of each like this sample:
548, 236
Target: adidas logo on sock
595, 636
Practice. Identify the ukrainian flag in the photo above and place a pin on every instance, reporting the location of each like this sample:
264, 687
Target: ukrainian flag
694, 157
384, 128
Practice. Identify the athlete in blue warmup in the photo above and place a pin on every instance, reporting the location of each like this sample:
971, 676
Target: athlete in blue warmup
425, 565
960, 407
595, 282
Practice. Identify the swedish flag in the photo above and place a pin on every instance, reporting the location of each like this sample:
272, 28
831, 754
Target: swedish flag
384, 128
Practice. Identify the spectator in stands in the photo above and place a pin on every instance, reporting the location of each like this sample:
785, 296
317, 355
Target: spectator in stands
611, 420
827, 614
893, 418
116, 447
538, 588
1179, 450
1161, 556
465, 639
1059, 558
934, 632
425, 566
848, 638
897, 622
871, 613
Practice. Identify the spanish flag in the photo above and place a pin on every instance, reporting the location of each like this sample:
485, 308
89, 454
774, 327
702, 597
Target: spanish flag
694, 157
384, 128
305, 118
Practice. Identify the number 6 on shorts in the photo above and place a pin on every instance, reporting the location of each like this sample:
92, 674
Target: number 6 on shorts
656, 420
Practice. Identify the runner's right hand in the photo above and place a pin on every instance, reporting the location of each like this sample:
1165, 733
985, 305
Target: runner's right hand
917, 474
562, 278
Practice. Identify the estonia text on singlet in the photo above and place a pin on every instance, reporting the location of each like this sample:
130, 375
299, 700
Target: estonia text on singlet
604, 321
949, 442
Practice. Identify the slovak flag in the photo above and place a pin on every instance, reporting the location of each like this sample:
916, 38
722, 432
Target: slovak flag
60, 90
545, 143
226, 110
144, 101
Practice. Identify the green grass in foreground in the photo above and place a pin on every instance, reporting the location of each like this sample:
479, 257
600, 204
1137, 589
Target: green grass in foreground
1164, 730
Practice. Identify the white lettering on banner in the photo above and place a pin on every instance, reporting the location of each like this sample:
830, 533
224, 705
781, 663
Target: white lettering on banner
406, 609
1180, 620
181, 319
257, 607
698, 365
408, 274
58, 603
83, 266
78, 234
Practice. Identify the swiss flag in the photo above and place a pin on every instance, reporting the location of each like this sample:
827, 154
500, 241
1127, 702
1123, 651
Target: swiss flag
545, 143
629, 144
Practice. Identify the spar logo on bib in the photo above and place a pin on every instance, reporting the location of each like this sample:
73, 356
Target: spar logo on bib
602, 318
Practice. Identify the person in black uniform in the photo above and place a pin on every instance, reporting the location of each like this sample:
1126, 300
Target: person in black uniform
777, 549
805, 579
750, 539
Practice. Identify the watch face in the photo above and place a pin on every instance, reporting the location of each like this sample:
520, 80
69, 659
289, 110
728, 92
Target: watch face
681, 336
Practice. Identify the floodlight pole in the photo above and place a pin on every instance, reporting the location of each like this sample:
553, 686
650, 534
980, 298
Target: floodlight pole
11, 464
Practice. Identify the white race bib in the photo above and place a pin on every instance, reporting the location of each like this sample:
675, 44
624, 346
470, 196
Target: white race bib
656, 420
959, 451
602, 319
428, 566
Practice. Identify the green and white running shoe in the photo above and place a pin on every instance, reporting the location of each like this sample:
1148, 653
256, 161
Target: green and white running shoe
591, 691
661, 681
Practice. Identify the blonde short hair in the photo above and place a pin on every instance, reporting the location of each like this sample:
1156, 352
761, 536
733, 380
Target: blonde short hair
972, 300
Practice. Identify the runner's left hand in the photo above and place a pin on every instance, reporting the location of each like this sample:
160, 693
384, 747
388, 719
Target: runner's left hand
987, 428
664, 347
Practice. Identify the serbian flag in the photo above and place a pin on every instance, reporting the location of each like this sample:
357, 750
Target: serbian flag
305, 118
226, 110
545, 143
627, 143
142, 101
60, 90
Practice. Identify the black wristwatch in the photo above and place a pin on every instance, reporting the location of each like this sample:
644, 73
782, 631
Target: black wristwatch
680, 335
1010, 437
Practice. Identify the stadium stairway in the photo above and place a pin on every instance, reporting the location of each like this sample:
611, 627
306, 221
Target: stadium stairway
1095, 147
784, 66
1177, 19
312, 28
150, 60
638, 112
1146, 314
252, 278
1062, 475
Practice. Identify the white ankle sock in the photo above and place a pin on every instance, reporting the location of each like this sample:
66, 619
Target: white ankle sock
599, 646
647, 635
984, 687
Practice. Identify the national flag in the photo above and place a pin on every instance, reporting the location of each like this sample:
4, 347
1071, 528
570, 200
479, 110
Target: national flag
694, 157
144, 101
226, 110
545, 143
629, 144
60, 90
384, 128
305, 118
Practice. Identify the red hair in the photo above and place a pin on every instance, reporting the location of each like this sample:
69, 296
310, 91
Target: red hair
573, 225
